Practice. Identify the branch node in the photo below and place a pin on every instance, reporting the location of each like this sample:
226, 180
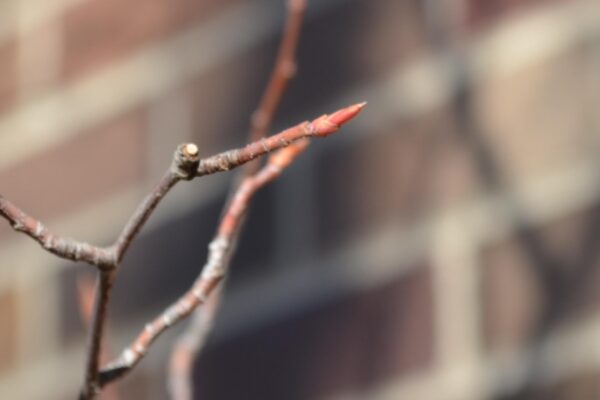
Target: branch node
217, 251
185, 161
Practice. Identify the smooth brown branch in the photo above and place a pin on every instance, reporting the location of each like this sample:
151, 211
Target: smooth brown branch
320, 127
63, 247
213, 272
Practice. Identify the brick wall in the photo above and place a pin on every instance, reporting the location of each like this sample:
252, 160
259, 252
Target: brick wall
442, 247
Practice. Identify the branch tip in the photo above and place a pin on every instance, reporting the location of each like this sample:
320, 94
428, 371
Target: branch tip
342, 116
328, 124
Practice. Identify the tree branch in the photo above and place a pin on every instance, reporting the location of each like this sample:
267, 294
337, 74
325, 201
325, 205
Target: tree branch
188, 345
320, 127
185, 162
191, 342
186, 165
292, 141
213, 272
67, 248
283, 71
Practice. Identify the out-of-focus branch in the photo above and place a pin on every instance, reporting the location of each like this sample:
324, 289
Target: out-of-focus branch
191, 342
292, 141
85, 297
188, 345
186, 166
213, 271
283, 70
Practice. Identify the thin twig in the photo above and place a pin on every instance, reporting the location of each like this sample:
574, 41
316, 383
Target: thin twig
213, 271
188, 345
191, 342
186, 165
63, 247
91, 387
320, 127
283, 71
292, 141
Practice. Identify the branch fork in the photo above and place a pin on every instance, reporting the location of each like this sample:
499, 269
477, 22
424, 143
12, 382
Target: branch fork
187, 165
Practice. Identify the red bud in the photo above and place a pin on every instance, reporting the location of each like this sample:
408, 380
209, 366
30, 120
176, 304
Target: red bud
328, 124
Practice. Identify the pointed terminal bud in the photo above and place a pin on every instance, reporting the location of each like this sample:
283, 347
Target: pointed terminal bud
341, 117
328, 124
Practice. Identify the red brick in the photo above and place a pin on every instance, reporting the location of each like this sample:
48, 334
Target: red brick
400, 175
357, 342
483, 12
86, 168
537, 119
516, 300
375, 337
98, 32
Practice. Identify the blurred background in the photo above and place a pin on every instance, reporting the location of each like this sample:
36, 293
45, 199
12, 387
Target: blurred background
443, 246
